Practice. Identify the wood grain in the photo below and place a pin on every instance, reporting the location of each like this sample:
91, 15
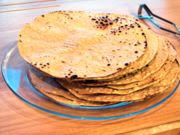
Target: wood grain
17, 118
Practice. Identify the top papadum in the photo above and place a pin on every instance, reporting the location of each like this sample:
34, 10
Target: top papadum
73, 44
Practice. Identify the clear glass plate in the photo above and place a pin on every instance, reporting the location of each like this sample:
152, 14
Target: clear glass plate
14, 70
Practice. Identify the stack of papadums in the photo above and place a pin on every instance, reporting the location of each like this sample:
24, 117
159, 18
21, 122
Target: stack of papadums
96, 59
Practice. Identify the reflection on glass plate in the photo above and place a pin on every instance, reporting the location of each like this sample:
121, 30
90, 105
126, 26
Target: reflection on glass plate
14, 70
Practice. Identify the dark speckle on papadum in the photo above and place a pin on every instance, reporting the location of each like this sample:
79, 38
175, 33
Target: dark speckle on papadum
93, 19
136, 52
126, 64
74, 77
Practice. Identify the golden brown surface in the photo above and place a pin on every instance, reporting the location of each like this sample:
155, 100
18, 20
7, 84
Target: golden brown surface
50, 88
85, 44
17, 117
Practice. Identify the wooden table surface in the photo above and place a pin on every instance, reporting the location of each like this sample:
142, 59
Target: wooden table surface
18, 118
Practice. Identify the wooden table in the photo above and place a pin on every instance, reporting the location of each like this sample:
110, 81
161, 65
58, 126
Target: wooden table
18, 118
